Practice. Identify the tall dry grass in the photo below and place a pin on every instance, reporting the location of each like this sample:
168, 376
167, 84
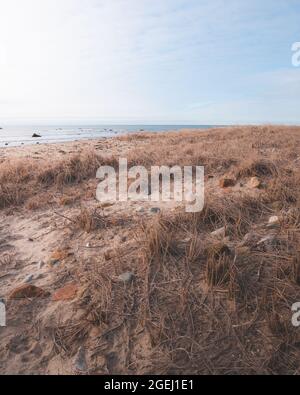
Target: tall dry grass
21, 180
198, 305
241, 151
207, 307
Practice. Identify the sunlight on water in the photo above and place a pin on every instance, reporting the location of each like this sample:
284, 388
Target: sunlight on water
22, 135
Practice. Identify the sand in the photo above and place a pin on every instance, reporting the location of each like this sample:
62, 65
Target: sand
169, 316
28, 240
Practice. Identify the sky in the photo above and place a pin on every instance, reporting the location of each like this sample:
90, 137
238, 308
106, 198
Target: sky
149, 61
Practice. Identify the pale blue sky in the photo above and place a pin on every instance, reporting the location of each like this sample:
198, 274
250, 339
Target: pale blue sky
149, 61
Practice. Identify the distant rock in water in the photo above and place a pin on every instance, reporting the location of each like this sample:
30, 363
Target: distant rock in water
35, 135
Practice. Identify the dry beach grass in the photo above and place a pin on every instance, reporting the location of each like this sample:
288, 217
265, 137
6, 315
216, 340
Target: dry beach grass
143, 292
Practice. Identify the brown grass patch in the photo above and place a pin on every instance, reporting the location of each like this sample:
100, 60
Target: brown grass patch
257, 168
90, 220
71, 170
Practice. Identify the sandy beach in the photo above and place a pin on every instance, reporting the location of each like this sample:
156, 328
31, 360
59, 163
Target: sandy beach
137, 287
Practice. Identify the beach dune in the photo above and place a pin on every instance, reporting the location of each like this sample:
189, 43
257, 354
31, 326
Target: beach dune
144, 288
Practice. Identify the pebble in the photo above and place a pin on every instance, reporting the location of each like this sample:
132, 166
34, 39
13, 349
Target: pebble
29, 279
219, 233
254, 182
126, 277
273, 222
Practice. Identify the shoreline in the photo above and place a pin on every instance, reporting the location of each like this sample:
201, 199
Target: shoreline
24, 136
73, 146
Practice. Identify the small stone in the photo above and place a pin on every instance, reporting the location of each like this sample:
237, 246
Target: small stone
219, 233
227, 182
273, 221
69, 292
29, 279
155, 210
254, 183
35, 135
31, 240
126, 277
28, 291
88, 245
140, 210
124, 239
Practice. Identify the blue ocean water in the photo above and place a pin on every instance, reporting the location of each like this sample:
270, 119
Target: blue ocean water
22, 135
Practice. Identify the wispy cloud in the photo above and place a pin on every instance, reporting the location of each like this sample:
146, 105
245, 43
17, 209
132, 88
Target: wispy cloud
215, 61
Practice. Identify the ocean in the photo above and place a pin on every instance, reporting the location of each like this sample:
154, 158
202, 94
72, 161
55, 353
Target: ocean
22, 135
